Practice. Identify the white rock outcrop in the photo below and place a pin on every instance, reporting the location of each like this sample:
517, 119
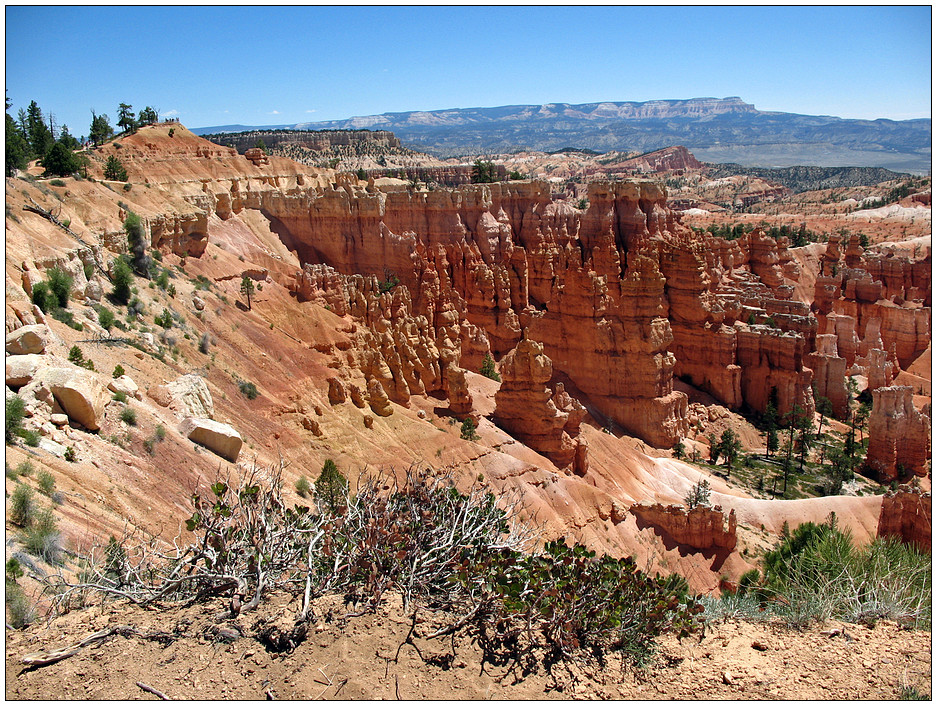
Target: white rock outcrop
217, 437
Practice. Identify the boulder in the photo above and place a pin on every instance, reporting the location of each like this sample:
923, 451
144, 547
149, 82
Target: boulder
357, 396
191, 397
79, 392
126, 385
29, 339
377, 398
21, 369
217, 437
336, 391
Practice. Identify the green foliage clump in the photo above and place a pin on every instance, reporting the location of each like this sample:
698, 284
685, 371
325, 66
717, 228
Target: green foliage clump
60, 161
42, 539
43, 298
114, 170
388, 283
136, 240
22, 505
15, 411
122, 277
819, 574
572, 601
468, 431
302, 486
60, 285
248, 389
67, 318
46, 483
118, 371
164, 319
484, 172
247, 289
128, 415
19, 609
105, 318
488, 368
331, 487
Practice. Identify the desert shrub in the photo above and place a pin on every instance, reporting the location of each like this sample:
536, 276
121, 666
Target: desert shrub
13, 420
43, 298
30, 437
164, 319
56, 182
417, 535
60, 284
388, 283
19, 610
25, 468
75, 355
105, 318
248, 389
162, 280
819, 574
70, 455
22, 505
488, 368
302, 486
67, 318
122, 277
468, 430
128, 415
42, 539
120, 396
566, 599
118, 371
45, 483
204, 343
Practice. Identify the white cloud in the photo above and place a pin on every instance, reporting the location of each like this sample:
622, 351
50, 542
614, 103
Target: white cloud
171, 113
311, 111
274, 112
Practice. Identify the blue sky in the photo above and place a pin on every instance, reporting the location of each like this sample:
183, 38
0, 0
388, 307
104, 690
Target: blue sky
263, 66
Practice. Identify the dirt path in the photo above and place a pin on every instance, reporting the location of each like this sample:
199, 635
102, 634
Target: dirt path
367, 657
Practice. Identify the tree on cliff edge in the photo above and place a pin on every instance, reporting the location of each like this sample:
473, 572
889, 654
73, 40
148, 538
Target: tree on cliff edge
247, 289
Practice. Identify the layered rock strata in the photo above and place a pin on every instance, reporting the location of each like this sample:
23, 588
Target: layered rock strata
700, 527
546, 420
906, 514
899, 435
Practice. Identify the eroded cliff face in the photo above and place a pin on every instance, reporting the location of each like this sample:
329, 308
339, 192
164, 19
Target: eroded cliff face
899, 435
699, 527
621, 296
906, 514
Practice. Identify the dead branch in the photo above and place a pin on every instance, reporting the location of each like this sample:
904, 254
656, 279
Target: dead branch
155, 692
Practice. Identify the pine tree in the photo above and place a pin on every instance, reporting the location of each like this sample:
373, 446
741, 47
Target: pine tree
60, 161
101, 129
114, 170
17, 148
125, 117
39, 136
247, 289
136, 240
331, 487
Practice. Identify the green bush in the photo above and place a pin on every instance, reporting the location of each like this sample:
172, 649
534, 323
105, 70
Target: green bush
30, 437
42, 538
105, 318
302, 487
60, 284
75, 355
164, 319
56, 182
70, 455
820, 574
248, 389
46, 483
128, 415
43, 298
468, 430
67, 318
118, 371
25, 468
122, 277
15, 412
160, 432
22, 505
120, 396
488, 368
19, 609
